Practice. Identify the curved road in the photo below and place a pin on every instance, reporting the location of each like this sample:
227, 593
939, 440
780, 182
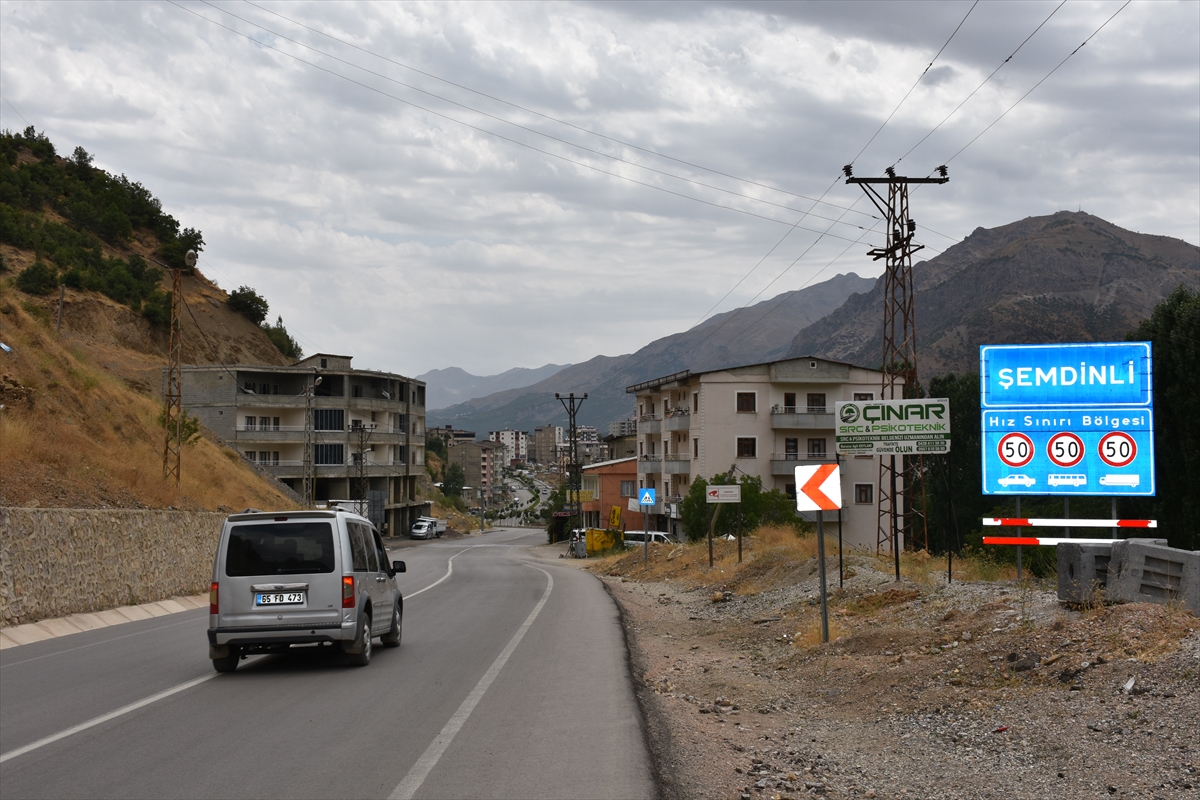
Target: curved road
511, 681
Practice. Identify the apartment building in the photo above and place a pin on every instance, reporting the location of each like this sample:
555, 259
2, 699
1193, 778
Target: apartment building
516, 445
365, 426
758, 419
548, 444
609, 484
481, 463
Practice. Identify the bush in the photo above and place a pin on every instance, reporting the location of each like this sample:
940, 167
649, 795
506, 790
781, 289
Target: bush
283, 341
249, 303
37, 279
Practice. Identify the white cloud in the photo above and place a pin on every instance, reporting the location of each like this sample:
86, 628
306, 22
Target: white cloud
415, 242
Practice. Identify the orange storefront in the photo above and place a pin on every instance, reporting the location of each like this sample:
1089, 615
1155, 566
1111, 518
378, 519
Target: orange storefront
611, 483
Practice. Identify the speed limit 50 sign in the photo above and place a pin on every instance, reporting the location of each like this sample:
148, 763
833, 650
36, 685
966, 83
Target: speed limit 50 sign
1067, 419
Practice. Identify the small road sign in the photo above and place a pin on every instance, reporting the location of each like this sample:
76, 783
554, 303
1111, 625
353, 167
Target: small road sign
614, 517
1065, 449
646, 497
1117, 449
818, 488
1015, 449
724, 494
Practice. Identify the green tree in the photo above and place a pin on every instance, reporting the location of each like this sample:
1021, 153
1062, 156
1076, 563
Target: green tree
453, 480
758, 507
436, 444
37, 278
1173, 330
282, 340
249, 303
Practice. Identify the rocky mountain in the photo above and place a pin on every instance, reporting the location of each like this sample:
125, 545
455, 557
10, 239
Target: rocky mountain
746, 335
452, 385
1067, 277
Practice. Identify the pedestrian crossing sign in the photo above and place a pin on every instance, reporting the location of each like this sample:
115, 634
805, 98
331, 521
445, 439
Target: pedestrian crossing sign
646, 497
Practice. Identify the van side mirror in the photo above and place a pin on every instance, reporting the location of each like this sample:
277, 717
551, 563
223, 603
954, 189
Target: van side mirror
398, 566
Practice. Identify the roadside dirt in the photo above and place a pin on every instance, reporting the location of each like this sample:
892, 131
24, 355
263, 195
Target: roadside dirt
982, 689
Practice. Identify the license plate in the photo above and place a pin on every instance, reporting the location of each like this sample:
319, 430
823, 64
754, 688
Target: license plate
279, 599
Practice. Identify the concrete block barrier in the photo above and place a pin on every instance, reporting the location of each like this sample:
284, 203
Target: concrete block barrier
1145, 570
1082, 572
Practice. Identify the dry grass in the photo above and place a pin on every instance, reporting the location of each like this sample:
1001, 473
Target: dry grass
73, 435
923, 568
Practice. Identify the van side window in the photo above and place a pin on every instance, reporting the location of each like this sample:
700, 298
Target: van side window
357, 546
380, 552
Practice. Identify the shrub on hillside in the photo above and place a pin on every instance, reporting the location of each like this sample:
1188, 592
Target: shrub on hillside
249, 304
37, 279
282, 340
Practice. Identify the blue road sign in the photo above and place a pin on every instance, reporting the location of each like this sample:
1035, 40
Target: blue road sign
646, 497
1075, 419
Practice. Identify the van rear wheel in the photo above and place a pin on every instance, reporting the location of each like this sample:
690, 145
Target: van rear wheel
227, 663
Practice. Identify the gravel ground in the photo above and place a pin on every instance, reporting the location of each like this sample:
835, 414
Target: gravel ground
972, 690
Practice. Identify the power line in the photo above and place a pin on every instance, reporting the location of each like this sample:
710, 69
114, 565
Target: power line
915, 85
527, 110
1039, 83
980, 86
527, 129
493, 133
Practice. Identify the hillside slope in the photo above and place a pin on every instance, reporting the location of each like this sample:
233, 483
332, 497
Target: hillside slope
79, 409
746, 335
1067, 277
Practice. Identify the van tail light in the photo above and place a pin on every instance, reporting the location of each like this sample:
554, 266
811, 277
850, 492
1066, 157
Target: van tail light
347, 591
212, 598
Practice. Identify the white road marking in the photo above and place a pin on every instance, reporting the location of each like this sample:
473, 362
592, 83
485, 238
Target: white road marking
91, 723
449, 571
416, 776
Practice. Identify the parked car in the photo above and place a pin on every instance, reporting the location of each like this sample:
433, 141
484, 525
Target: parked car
298, 577
637, 538
421, 529
438, 525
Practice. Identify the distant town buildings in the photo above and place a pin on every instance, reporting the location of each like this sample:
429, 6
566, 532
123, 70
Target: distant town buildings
516, 445
481, 463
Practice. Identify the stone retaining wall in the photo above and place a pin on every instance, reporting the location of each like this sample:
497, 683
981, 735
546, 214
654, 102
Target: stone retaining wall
60, 561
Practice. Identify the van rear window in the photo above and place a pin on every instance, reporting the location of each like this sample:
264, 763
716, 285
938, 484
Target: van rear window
279, 548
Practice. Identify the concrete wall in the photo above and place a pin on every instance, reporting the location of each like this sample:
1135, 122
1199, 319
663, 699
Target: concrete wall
55, 562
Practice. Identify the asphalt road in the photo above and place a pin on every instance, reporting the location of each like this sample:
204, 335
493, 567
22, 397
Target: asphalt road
511, 681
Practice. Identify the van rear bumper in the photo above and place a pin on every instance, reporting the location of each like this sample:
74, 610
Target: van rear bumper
283, 634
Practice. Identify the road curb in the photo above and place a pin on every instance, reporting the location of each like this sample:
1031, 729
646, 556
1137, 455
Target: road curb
42, 630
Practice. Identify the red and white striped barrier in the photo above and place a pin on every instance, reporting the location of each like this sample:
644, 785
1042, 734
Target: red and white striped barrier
1038, 540
1033, 522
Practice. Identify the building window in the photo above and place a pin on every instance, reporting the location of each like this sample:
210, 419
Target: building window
816, 403
329, 419
356, 391
816, 448
864, 396
695, 448
324, 363
627, 489
864, 493
251, 455
789, 402
791, 449
264, 457
264, 388
695, 402
251, 423
248, 387
747, 447
275, 458
746, 402
328, 454
264, 423
275, 423
790, 490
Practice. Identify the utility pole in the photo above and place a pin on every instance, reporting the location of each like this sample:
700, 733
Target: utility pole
173, 396
361, 478
898, 513
308, 468
574, 469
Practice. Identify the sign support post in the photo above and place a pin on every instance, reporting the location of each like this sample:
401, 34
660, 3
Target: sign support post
646, 497
821, 561
1018, 546
841, 573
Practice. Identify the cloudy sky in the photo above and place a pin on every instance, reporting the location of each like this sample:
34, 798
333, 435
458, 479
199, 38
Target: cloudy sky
491, 185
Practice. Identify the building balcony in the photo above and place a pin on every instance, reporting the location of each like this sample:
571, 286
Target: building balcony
786, 463
649, 423
794, 418
678, 464
677, 421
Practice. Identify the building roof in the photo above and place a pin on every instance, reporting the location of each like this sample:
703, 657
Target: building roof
608, 463
654, 383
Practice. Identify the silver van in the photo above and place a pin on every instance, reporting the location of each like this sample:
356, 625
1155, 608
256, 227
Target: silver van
638, 538
299, 577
